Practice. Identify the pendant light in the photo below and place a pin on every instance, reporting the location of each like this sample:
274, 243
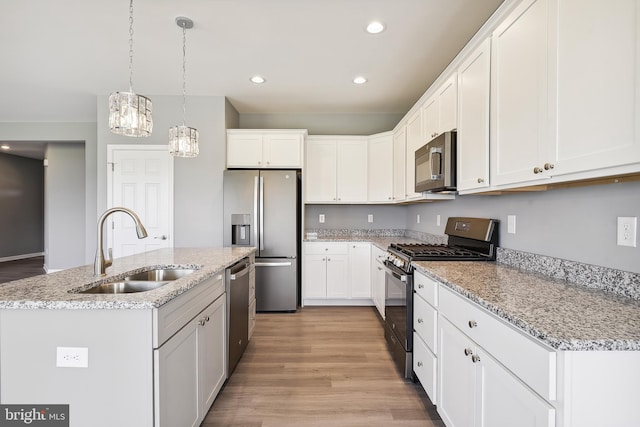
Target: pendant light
129, 113
183, 140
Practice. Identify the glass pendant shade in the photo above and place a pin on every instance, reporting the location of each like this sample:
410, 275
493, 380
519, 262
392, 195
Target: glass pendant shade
183, 141
130, 114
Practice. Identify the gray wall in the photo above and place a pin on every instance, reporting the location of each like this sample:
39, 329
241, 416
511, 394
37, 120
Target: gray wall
65, 133
197, 181
324, 123
64, 202
355, 216
21, 206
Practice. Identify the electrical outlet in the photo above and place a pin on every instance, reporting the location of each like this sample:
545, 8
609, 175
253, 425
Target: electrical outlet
370, 218
627, 230
511, 224
72, 357
438, 220
321, 218
417, 218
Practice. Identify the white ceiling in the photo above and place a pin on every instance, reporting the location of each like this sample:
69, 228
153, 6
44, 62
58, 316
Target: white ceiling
58, 55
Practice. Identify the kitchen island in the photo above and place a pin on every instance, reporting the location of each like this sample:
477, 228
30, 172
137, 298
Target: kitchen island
152, 358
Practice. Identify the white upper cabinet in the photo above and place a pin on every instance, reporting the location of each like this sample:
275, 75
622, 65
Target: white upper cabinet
522, 67
473, 119
598, 84
249, 148
440, 112
399, 163
380, 168
336, 169
414, 141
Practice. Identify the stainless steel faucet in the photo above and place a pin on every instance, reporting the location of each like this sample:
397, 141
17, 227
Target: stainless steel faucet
101, 264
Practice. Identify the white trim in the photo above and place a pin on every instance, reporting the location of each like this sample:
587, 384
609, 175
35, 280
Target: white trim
23, 256
145, 147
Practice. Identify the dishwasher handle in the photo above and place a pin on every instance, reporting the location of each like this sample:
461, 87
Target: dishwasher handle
240, 270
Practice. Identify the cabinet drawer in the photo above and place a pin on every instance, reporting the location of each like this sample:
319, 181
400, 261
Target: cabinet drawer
326, 248
425, 366
531, 361
425, 320
169, 318
426, 287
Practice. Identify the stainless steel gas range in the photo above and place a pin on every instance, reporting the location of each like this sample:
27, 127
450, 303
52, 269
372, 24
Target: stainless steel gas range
470, 239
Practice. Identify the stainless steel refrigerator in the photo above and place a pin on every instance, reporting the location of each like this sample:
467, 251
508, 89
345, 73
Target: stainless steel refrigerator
262, 209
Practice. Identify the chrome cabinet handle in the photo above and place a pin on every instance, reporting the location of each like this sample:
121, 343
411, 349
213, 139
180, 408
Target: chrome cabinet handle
201, 322
420, 286
419, 364
548, 166
537, 170
206, 319
475, 358
420, 320
480, 180
468, 352
473, 324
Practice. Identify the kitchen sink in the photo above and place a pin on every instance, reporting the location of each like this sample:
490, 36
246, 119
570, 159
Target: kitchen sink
128, 287
139, 282
160, 275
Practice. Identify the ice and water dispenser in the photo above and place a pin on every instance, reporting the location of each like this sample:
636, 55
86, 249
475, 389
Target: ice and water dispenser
241, 229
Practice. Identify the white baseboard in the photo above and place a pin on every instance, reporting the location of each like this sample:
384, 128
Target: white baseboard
51, 270
23, 256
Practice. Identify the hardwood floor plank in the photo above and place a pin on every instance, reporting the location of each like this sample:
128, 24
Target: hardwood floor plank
321, 366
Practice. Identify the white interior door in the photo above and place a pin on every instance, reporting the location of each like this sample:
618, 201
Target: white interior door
141, 179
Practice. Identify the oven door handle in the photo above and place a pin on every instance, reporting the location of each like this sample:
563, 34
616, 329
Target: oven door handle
401, 277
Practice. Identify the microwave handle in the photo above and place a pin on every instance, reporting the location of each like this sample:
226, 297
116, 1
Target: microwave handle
435, 151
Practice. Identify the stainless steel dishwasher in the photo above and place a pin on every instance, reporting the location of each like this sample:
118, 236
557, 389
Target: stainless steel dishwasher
237, 287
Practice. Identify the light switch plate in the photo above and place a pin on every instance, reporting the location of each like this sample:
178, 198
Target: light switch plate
321, 218
627, 226
370, 218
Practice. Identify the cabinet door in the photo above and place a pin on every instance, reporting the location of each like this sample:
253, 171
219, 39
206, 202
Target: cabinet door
360, 270
244, 151
337, 276
399, 164
448, 105
380, 169
315, 276
473, 121
176, 379
320, 171
430, 120
282, 151
598, 84
425, 322
506, 402
212, 360
521, 139
414, 141
457, 379
352, 171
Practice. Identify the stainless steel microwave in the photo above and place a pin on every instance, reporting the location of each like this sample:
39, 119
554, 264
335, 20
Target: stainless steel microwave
436, 164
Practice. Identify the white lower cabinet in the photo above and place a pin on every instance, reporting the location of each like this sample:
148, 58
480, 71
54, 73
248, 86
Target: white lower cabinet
190, 366
337, 273
475, 390
378, 278
425, 337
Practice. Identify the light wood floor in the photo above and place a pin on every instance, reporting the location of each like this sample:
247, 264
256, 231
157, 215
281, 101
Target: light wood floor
21, 269
322, 366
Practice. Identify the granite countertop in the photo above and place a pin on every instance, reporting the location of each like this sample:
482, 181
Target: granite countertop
563, 315
52, 291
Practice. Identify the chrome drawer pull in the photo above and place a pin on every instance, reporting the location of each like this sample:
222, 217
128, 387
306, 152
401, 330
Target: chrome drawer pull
468, 352
473, 324
420, 320
475, 358
419, 364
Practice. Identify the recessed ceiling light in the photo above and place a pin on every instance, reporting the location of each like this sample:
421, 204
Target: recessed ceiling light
359, 80
5, 147
375, 27
258, 79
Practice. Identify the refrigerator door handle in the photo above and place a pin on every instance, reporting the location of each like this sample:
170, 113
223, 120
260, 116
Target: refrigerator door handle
255, 208
273, 264
261, 213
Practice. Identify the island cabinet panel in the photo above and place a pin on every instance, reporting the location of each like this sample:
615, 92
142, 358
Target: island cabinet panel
116, 389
